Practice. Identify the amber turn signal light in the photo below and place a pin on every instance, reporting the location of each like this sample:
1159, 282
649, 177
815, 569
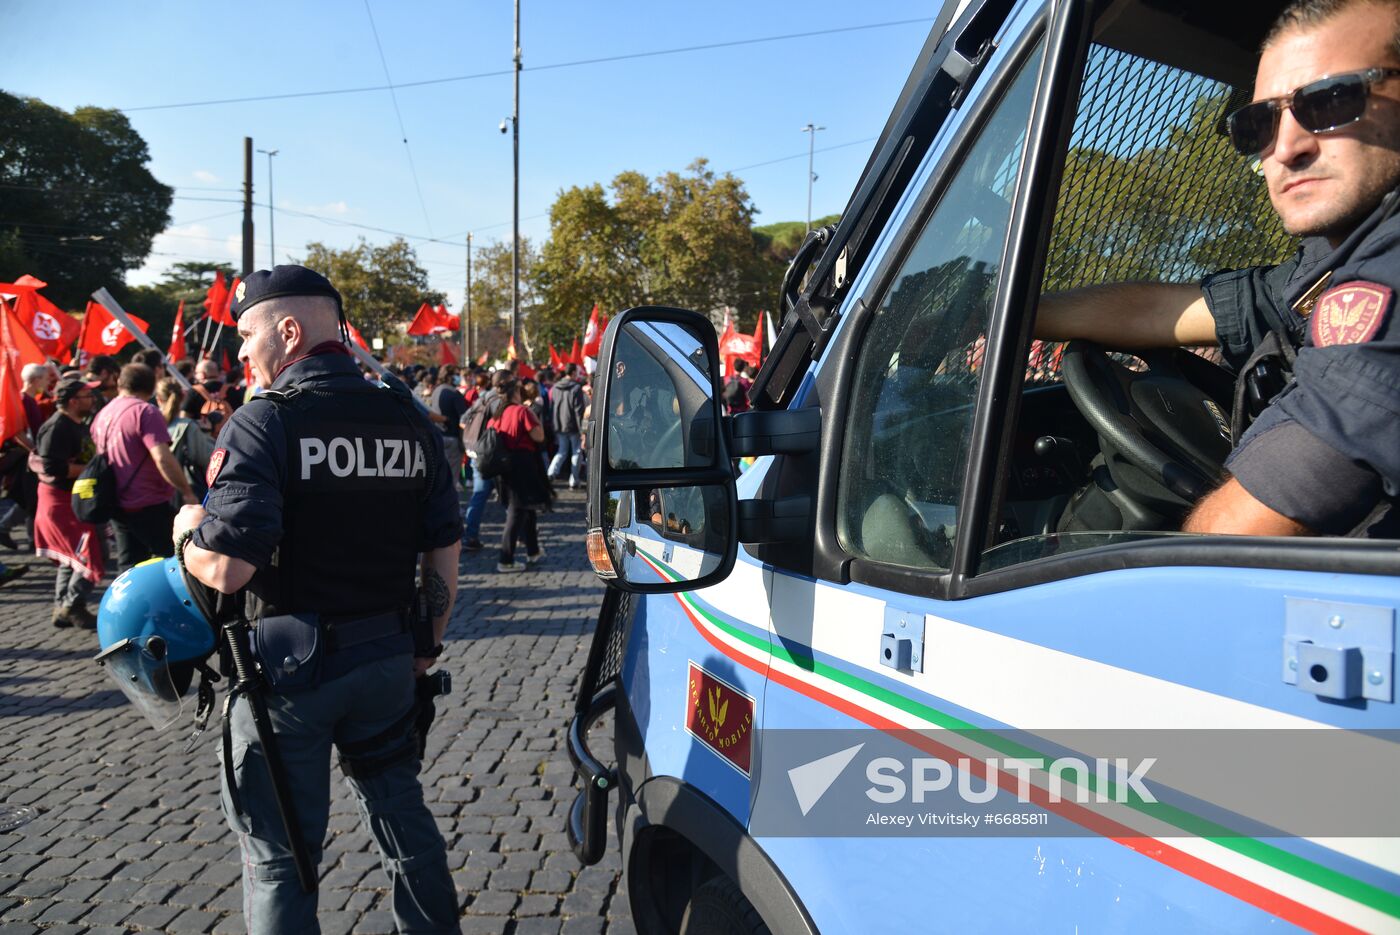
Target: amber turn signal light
598, 554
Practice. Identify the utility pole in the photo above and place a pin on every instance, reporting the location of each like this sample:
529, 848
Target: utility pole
247, 205
271, 230
468, 339
515, 225
811, 176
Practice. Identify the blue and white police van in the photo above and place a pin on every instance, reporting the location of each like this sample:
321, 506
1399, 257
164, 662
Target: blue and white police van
966, 542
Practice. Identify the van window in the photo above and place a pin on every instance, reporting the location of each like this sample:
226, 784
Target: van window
920, 359
1151, 191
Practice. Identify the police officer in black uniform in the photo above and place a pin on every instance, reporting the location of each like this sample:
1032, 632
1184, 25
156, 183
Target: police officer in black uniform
323, 494
1324, 456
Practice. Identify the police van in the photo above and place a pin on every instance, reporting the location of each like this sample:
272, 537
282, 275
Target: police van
961, 543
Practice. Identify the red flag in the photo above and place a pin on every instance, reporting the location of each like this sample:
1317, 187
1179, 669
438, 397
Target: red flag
216, 300
223, 361
446, 354
576, 355
758, 335
735, 345
427, 321
485, 356
356, 336
452, 321
555, 360
17, 348
510, 349
177, 335
103, 334
525, 371
593, 335
12, 417
52, 328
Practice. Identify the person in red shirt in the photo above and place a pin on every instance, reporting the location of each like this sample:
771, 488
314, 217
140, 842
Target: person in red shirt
524, 488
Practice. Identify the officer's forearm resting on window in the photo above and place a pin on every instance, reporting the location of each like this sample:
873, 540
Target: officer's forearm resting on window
1130, 314
1232, 510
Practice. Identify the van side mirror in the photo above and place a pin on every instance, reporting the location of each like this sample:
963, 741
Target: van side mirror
661, 499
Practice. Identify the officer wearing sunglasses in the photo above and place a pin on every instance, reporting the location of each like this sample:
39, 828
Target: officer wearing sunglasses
1323, 453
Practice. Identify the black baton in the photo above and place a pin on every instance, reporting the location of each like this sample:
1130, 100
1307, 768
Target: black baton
251, 687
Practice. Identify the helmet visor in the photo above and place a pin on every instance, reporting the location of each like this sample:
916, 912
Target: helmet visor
140, 670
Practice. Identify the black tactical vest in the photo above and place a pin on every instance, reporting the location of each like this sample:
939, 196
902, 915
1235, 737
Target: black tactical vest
360, 465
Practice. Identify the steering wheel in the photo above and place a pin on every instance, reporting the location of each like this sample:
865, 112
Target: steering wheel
1171, 421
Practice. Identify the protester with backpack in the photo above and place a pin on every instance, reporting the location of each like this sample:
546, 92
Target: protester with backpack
133, 437
189, 442
62, 449
474, 422
524, 486
736, 389
567, 402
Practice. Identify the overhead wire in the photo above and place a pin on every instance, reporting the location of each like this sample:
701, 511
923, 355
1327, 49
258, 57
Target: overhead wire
413, 170
546, 67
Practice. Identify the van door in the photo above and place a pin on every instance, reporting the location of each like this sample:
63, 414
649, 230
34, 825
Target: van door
1195, 659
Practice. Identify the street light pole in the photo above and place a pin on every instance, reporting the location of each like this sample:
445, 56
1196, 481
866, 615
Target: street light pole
515, 211
468, 339
271, 231
811, 176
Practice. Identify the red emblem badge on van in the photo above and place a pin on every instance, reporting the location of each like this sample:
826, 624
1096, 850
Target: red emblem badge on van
721, 717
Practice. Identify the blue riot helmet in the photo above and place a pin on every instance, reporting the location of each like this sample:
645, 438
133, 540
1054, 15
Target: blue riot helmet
154, 637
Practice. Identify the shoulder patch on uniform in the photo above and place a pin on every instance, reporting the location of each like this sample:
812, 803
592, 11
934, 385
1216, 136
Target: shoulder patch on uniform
1351, 313
216, 463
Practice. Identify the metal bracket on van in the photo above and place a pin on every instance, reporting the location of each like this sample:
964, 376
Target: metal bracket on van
775, 432
902, 640
1338, 650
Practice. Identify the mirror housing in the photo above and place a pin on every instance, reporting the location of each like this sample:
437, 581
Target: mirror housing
662, 513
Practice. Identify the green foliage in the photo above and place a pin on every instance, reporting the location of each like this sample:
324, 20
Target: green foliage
491, 297
80, 206
1171, 212
680, 239
380, 285
782, 239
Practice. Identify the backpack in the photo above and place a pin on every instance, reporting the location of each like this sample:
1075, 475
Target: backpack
95, 494
213, 404
736, 395
492, 458
96, 498
474, 423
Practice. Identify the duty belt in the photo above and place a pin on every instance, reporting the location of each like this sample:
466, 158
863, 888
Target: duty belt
342, 633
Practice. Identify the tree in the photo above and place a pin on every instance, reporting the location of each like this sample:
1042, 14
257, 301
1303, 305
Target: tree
380, 286
491, 296
680, 239
81, 208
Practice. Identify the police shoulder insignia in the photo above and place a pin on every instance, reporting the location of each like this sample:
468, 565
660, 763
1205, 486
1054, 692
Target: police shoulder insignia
216, 463
1351, 313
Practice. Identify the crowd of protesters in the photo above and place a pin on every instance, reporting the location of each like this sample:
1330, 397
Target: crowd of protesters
159, 437
538, 415
157, 453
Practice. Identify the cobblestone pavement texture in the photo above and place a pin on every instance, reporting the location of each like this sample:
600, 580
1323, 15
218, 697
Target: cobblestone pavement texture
130, 837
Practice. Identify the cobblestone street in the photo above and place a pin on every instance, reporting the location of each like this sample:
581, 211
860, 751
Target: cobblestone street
130, 837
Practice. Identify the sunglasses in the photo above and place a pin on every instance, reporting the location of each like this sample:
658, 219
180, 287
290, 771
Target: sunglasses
1318, 106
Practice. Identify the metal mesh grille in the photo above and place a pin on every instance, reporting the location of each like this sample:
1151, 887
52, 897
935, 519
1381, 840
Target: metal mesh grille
611, 666
1151, 190
609, 645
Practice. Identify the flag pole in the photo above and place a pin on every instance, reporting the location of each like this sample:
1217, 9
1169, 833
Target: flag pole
104, 298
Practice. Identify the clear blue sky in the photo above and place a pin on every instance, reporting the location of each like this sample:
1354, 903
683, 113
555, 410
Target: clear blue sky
341, 155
